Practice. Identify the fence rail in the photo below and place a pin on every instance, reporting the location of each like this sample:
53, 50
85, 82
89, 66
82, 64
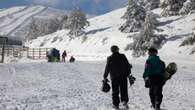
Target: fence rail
37, 53
33, 53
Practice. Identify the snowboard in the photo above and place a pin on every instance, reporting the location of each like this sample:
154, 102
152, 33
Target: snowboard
170, 70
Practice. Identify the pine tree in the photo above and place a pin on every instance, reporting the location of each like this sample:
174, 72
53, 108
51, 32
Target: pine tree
77, 22
151, 4
134, 16
171, 7
147, 37
188, 6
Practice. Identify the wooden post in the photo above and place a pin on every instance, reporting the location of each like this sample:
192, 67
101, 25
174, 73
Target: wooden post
39, 53
21, 52
33, 53
7, 50
46, 53
13, 52
3, 50
3, 41
27, 52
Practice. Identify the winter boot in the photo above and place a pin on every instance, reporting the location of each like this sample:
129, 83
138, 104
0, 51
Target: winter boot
152, 105
116, 107
157, 106
125, 105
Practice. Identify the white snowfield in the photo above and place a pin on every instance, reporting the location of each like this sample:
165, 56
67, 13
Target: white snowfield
76, 86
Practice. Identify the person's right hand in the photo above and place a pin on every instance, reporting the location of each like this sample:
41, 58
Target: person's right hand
105, 80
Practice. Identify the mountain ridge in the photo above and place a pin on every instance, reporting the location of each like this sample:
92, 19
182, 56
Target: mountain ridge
16, 21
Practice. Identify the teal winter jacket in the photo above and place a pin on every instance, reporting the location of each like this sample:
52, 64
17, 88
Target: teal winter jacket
154, 66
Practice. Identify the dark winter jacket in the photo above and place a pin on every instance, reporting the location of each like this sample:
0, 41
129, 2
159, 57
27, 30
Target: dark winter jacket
154, 67
118, 66
64, 54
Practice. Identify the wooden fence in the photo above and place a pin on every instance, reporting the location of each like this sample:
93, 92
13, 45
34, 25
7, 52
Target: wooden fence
33, 53
37, 53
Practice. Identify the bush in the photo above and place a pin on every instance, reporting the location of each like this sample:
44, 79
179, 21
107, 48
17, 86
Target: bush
189, 40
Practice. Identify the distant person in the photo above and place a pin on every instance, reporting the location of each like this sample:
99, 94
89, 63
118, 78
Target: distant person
72, 59
154, 77
64, 54
53, 55
119, 69
56, 54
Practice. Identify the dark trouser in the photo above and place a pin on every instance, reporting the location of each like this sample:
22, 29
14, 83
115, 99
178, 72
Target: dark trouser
155, 91
63, 59
119, 85
156, 95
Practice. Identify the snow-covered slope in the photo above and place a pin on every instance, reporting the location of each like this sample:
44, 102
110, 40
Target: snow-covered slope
15, 21
103, 32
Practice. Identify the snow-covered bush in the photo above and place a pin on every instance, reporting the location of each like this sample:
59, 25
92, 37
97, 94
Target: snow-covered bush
134, 16
188, 6
147, 37
77, 22
189, 41
193, 50
171, 7
151, 4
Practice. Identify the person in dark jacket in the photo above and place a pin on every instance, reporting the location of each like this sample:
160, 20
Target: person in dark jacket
53, 55
64, 54
72, 59
154, 77
119, 69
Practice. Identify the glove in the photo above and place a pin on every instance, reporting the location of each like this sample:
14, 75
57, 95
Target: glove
131, 80
105, 80
147, 82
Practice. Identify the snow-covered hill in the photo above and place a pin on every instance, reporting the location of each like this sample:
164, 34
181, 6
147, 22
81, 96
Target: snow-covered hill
15, 21
103, 32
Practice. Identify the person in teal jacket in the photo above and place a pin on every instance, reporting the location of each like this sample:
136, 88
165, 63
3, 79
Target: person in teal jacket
154, 77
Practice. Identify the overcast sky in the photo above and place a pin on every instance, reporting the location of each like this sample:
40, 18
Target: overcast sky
88, 6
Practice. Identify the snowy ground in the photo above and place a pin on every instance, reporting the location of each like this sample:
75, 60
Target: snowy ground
76, 86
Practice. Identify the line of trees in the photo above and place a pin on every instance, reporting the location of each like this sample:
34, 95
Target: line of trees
141, 20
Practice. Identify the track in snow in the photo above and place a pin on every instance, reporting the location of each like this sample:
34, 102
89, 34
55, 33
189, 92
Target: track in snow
19, 18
